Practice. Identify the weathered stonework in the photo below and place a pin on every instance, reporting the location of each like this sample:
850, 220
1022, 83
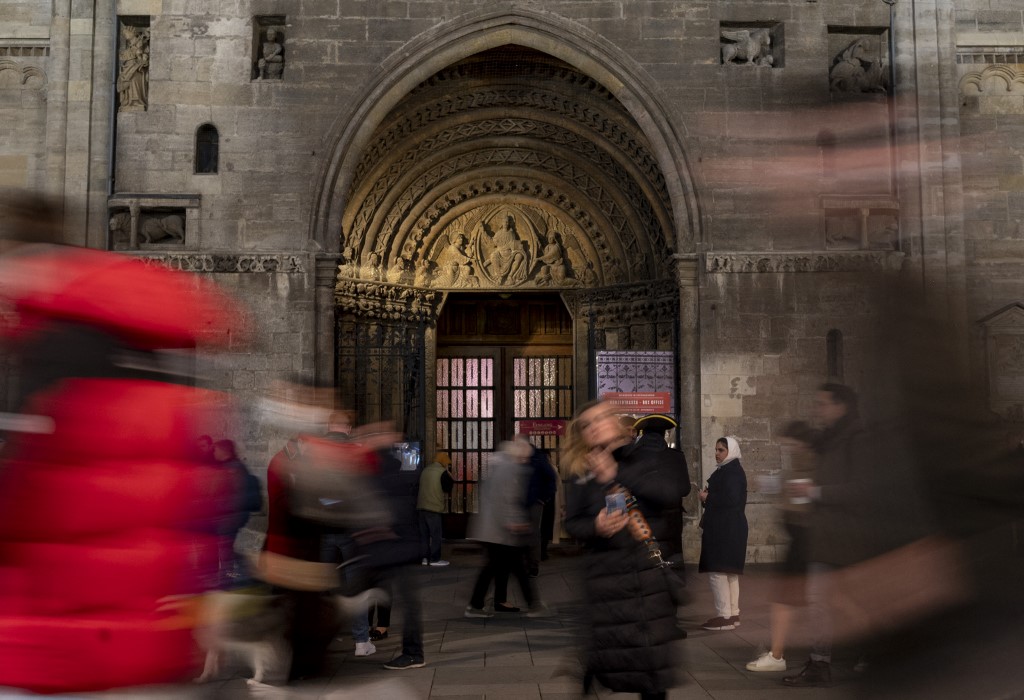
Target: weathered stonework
670, 181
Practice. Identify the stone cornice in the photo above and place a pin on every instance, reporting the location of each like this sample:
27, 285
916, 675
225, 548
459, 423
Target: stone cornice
833, 261
227, 262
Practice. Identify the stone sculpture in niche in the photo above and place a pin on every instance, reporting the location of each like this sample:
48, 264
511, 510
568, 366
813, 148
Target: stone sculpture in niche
153, 229
133, 69
120, 230
747, 46
270, 65
853, 71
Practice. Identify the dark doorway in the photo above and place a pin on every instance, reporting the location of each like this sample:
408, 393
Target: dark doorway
501, 359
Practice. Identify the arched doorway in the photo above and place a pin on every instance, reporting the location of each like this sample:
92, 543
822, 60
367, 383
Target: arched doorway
507, 187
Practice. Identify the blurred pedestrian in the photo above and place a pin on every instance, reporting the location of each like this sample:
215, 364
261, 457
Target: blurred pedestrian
503, 526
108, 512
540, 491
798, 439
723, 542
630, 604
435, 483
651, 449
249, 499
841, 486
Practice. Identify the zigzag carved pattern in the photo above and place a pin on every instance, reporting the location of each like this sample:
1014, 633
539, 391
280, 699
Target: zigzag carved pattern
540, 161
504, 127
609, 129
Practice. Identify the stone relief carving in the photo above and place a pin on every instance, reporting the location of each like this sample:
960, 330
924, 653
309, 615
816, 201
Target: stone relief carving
151, 227
747, 46
1004, 348
506, 246
387, 301
859, 69
994, 80
133, 69
270, 63
201, 262
16, 73
836, 261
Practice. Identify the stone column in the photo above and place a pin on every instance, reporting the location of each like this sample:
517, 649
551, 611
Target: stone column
324, 311
688, 277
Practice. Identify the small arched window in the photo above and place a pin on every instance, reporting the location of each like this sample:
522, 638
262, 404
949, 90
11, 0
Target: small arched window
207, 148
834, 354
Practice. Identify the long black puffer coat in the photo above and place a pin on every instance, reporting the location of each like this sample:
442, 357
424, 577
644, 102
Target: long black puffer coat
630, 608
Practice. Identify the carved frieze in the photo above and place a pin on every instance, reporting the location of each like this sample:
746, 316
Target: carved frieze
836, 261
227, 262
387, 301
625, 305
995, 79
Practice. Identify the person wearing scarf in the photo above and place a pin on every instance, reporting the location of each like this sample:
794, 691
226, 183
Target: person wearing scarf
724, 538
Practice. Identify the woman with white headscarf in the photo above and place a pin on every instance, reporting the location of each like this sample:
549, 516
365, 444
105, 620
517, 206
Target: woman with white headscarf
724, 540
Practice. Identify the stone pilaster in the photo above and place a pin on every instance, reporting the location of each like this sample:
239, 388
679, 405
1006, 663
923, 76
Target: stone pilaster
326, 276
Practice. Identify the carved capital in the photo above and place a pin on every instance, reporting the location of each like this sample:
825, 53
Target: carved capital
625, 304
857, 261
326, 270
393, 302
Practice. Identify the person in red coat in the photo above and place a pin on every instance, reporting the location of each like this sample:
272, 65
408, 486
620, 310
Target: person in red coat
107, 511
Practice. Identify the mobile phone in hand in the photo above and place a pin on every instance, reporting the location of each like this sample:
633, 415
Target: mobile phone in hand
615, 502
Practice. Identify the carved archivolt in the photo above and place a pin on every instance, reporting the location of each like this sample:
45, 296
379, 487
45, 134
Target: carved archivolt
542, 180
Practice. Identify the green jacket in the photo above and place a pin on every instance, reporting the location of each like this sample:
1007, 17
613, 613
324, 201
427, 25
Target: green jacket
432, 493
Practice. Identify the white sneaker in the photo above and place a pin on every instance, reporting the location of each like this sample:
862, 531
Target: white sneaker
767, 662
425, 561
439, 562
365, 648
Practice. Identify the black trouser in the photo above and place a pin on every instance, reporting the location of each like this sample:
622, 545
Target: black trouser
501, 561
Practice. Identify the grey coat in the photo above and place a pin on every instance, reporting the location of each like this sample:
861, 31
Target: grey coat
502, 503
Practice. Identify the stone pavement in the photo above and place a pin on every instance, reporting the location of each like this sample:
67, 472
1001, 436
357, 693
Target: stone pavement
513, 657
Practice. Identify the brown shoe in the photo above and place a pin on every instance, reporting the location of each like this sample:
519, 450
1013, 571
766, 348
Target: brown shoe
815, 674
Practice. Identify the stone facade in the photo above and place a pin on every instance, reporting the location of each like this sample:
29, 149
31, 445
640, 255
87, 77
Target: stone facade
743, 159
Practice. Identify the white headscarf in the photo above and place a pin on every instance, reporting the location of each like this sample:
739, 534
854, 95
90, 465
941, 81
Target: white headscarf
734, 450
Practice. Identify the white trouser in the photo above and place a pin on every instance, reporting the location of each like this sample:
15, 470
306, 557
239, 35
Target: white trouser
726, 590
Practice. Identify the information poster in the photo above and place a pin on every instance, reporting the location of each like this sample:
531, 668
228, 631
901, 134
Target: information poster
638, 382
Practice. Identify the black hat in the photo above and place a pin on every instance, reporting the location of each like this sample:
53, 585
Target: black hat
655, 422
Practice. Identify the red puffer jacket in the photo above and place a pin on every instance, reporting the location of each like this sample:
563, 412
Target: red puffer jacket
110, 513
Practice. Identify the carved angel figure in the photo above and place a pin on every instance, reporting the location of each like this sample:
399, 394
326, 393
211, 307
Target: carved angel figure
739, 45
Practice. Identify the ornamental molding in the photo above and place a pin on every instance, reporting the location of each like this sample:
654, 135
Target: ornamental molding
993, 80
227, 262
22, 74
389, 302
859, 261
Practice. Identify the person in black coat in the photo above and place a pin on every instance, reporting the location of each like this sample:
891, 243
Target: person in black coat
723, 548
653, 452
630, 606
